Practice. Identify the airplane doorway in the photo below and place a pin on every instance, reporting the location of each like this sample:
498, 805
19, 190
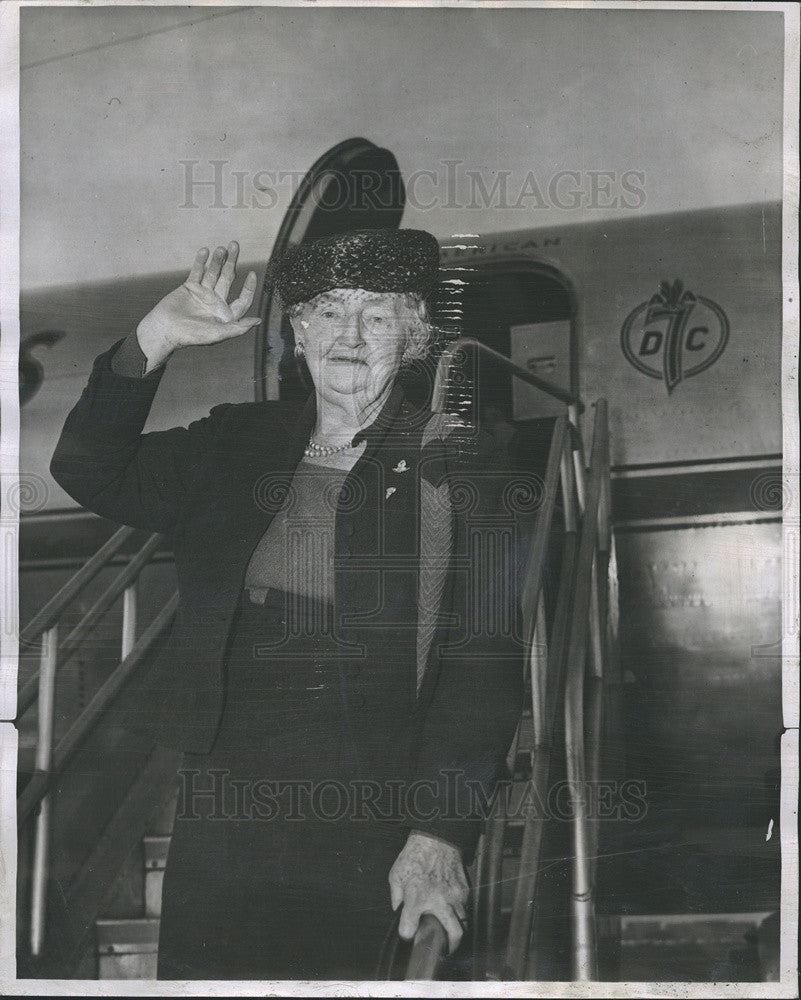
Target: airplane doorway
523, 309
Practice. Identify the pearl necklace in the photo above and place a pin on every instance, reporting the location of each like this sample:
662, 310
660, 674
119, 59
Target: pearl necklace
314, 450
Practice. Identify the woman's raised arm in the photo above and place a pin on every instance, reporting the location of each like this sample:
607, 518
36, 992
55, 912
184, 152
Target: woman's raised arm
198, 311
102, 459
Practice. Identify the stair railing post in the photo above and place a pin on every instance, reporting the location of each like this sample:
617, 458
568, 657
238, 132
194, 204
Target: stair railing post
599, 640
569, 492
596, 640
538, 659
602, 541
582, 908
521, 923
128, 620
578, 460
44, 753
585, 649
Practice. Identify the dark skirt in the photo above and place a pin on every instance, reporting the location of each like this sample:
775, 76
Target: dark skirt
269, 874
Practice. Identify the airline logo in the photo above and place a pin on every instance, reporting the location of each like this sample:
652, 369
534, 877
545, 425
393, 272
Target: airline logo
674, 335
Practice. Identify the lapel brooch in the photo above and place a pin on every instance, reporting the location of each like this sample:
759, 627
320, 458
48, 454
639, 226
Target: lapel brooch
401, 466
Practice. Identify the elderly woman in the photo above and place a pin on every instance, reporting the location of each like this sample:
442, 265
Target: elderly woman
343, 711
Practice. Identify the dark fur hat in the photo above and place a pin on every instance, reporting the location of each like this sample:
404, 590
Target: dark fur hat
377, 260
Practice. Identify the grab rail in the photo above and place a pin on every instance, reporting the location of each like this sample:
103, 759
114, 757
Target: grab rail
576, 632
430, 944
448, 356
45, 625
546, 670
42, 779
130, 573
576, 639
51, 612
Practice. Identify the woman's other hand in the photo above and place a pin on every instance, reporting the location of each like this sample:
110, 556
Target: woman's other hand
428, 877
198, 311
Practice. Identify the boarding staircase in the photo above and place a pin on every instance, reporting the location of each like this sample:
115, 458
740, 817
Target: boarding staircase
535, 913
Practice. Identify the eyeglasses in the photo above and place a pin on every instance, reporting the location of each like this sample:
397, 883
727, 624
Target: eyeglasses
373, 319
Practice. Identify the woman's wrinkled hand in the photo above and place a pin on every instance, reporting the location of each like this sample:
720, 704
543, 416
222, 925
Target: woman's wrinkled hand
198, 311
428, 877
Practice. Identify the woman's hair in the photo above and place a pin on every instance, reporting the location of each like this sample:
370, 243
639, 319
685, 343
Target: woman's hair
414, 319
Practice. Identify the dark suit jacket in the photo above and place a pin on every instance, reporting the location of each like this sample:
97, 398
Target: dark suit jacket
214, 488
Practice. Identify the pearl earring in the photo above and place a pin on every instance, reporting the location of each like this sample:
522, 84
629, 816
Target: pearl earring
299, 351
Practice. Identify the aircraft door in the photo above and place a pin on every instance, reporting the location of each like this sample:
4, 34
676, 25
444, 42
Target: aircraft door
521, 308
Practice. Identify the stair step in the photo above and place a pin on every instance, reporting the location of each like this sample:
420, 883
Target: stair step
522, 745
710, 947
127, 949
155, 855
156, 849
687, 928
526, 731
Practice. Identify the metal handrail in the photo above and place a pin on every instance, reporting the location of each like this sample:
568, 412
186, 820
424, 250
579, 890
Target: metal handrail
129, 574
576, 632
544, 691
42, 780
488, 880
49, 765
577, 626
430, 944
564, 440
42, 685
532, 587
52, 611
29, 692
546, 672
448, 355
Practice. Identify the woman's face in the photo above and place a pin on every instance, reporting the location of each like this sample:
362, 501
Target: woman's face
354, 341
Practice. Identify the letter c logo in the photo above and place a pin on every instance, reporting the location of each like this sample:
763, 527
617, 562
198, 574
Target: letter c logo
692, 344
